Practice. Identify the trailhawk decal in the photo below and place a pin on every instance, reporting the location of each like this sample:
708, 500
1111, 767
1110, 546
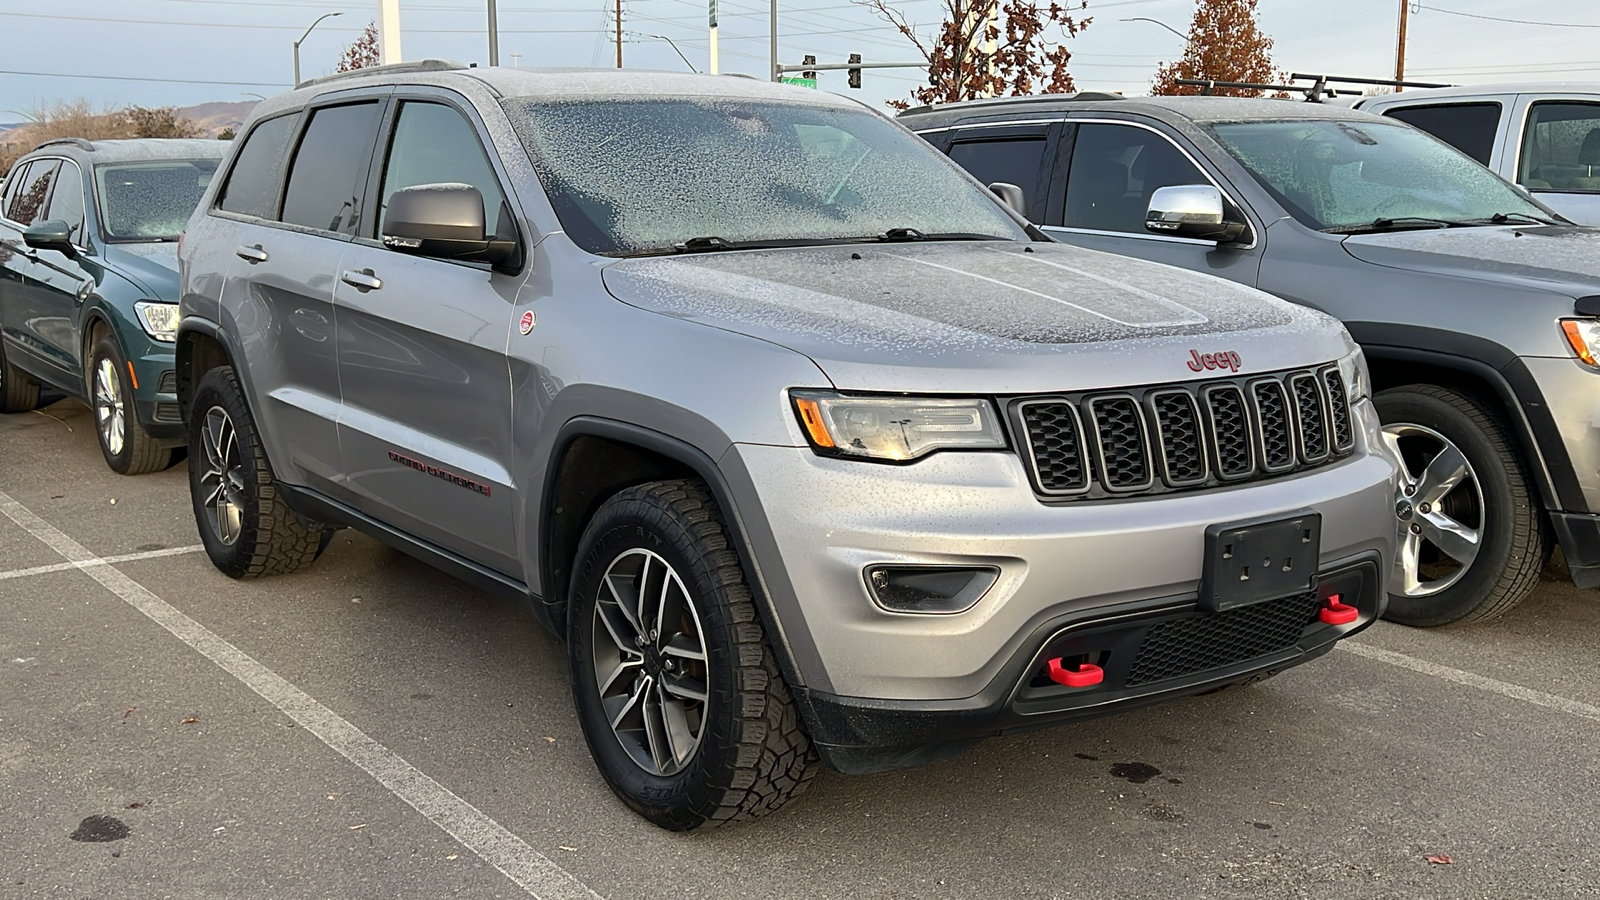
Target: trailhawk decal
435, 471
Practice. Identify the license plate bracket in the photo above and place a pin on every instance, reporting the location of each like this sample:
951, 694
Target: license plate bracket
1260, 559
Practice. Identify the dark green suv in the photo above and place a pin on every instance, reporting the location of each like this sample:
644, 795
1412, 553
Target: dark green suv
89, 284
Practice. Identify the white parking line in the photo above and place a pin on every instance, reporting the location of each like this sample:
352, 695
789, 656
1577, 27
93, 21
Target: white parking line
1493, 686
530, 869
106, 560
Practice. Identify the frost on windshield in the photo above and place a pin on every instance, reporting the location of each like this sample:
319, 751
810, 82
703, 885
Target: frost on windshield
627, 176
150, 201
1337, 174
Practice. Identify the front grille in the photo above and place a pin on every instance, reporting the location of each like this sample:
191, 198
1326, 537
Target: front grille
1168, 438
168, 383
1212, 641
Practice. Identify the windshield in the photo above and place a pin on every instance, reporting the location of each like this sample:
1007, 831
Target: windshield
631, 177
150, 201
1339, 176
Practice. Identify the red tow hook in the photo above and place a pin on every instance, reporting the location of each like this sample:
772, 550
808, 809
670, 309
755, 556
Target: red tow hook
1336, 613
1085, 675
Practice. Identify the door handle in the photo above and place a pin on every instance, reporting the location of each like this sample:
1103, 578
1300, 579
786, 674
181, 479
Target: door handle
363, 280
252, 255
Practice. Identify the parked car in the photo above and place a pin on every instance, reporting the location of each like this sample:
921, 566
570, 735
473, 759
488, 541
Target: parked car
803, 441
1475, 305
1544, 137
89, 281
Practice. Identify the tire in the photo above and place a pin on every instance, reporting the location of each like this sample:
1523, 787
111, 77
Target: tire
127, 447
1492, 499
247, 527
18, 391
750, 753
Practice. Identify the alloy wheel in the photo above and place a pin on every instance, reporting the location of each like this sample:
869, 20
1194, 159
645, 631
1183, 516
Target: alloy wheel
650, 662
222, 479
1439, 513
109, 412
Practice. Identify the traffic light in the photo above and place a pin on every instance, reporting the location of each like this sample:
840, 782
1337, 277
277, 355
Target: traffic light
810, 60
855, 74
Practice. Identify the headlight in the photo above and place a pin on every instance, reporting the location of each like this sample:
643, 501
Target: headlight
1584, 336
1357, 380
160, 320
896, 429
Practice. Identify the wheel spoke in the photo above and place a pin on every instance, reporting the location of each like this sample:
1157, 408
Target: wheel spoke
1391, 440
624, 591
1458, 542
684, 647
1442, 474
656, 731
675, 722
211, 440
1408, 562
685, 688
622, 668
633, 701
618, 627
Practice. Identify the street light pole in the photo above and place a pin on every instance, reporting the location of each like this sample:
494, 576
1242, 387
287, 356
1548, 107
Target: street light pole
302, 38
777, 74
1162, 24
494, 35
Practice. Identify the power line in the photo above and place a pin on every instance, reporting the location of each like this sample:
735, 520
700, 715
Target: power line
1455, 12
133, 78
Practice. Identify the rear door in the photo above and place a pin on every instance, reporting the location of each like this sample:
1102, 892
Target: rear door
25, 307
1015, 153
1557, 153
290, 233
426, 427
1112, 169
61, 284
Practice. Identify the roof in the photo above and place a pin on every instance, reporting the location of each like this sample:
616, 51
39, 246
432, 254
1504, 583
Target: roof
134, 149
1190, 107
1478, 90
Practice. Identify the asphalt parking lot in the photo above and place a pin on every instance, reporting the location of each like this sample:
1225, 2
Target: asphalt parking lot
370, 728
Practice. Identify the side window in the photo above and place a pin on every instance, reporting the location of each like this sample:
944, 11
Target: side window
66, 203
27, 207
19, 174
435, 144
1468, 127
330, 166
1561, 147
1114, 170
252, 187
1017, 161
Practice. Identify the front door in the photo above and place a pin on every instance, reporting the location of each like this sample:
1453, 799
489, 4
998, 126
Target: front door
426, 425
1558, 157
1113, 168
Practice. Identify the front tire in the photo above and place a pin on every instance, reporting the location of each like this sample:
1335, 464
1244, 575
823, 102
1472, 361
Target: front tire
247, 527
127, 447
18, 391
1472, 538
681, 701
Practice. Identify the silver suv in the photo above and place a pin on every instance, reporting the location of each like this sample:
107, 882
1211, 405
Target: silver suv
805, 443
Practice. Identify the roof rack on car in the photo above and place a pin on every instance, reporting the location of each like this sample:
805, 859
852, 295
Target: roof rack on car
1014, 101
80, 143
401, 68
1314, 93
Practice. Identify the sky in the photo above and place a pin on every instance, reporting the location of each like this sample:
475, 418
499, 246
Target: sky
183, 52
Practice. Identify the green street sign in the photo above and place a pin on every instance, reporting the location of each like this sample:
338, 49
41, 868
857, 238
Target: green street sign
800, 82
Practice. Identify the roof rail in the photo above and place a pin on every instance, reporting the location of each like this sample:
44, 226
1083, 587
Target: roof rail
80, 143
401, 68
1314, 93
1013, 101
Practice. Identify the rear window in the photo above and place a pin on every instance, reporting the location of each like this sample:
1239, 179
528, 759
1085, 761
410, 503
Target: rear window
1468, 127
330, 168
26, 206
253, 186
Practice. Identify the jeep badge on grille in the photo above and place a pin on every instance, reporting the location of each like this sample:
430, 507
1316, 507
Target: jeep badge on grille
1227, 359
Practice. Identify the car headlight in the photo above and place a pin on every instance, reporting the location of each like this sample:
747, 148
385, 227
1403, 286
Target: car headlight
160, 320
1584, 337
1357, 380
895, 429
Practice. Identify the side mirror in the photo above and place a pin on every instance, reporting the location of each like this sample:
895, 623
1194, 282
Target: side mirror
1191, 211
51, 234
444, 221
1012, 196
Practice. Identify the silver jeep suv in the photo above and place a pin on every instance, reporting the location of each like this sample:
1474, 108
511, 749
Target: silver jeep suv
805, 443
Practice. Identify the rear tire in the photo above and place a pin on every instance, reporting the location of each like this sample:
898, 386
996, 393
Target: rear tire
18, 391
1492, 502
127, 447
681, 701
247, 527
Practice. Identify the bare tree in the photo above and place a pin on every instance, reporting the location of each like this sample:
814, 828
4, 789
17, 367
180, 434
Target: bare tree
363, 53
1225, 44
991, 48
158, 122
81, 119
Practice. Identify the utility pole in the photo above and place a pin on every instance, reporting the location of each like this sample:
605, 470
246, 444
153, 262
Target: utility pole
619, 34
1400, 48
388, 31
713, 11
772, 41
494, 36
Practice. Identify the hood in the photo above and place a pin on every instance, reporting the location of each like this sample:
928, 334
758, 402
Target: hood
1563, 258
981, 317
152, 267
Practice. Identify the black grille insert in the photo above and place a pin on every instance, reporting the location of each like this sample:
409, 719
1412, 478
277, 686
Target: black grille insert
1055, 444
1230, 432
1308, 415
1344, 437
1119, 438
1272, 415
1212, 641
168, 383
1178, 439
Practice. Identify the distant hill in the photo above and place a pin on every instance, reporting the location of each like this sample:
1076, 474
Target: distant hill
212, 118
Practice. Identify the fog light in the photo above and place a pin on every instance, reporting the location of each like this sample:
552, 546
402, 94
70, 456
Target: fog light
929, 590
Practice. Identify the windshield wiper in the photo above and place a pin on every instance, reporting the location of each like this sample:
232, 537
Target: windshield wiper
707, 244
1514, 218
912, 234
1392, 224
